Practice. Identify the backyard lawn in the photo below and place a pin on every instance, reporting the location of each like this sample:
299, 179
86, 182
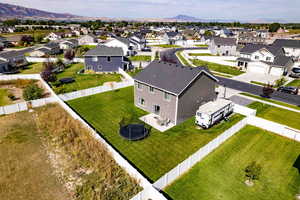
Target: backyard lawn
218, 68
221, 176
134, 72
158, 153
140, 58
295, 83
83, 81
278, 115
4, 100
33, 68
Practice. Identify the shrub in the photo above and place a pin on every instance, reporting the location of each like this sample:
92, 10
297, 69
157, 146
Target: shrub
32, 92
268, 90
280, 82
47, 73
69, 54
253, 171
11, 96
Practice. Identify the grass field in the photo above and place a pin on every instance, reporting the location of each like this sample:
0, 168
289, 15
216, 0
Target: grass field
200, 54
158, 153
182, 59
272, 101
275, 114
166, 46
134, 72
25, 170
33, 68
218, 68
140, 58
201, 45
83, 81
258, 83
295, 83
220, 176
4, 100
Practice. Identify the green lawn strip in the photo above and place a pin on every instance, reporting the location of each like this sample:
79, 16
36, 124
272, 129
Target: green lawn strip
159, 152
223, 75
278, 115
201, 45
4, 100
33, 68
218, 68
166, 46
200, 54
83, 81
221, 176
258, 83
140, 58
134, 72
271, 101
182, 58
294, 83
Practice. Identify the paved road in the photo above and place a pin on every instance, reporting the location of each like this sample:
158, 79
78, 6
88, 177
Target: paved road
238, 85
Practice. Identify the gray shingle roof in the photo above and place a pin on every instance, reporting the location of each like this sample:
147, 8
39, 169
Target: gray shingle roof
169, 77
251, 48
287, 43
282, 61
123, 40
11, 54
105, 51
225, 41
172, 34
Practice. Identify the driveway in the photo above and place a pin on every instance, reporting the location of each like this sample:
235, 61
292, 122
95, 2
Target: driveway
262, 78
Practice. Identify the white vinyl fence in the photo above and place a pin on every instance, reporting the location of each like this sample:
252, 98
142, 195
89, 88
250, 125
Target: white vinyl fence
243, 110
16, 76
42, 102
9, 109
42, 60
183, 167
143, 64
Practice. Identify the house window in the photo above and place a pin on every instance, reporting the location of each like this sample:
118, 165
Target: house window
268, 58
108, 58
256, 57
151, 89
167, 96
95, 59
139, 86
141, 101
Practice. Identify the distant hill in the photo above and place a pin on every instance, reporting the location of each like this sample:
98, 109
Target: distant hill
12, 11
186, 18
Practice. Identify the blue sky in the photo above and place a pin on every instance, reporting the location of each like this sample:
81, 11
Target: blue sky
208, 9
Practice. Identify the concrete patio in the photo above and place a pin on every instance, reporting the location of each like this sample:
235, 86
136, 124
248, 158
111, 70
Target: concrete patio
152, 120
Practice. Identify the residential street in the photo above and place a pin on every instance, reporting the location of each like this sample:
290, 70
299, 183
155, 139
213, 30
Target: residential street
238, 85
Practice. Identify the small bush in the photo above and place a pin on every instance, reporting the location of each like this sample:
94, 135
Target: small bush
280, 82
253, 171
32, 92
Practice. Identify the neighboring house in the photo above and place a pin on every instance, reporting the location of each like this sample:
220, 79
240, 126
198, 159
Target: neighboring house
15, 39
172, 37
54, 36
138, 42
87, 39
223, 46
172, 91
191, 34
12, 60
290, 47
68, 44
250, 38
262, 33
51, 48
124, 43
264, 59
205, 39
106, 59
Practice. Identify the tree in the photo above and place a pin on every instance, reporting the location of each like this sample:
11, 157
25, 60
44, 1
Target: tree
38, 38
280, 82
208, 33
252, 172
274, 27
47, 73
32, 92
268, 90
69, 54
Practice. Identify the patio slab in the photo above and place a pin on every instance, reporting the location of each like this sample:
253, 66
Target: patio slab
152, 120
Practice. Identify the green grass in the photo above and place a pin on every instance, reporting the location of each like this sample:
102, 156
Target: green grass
271, 101
258, 83
278, 115
4, 100
218, 68
140, 58
201, 45
182, 59
83, 81
220, 176
223, 75
200, 54
33, 68
134, 72
166, 46
294, 83
158, 153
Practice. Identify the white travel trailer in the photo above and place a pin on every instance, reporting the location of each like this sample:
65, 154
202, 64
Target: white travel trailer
212, 112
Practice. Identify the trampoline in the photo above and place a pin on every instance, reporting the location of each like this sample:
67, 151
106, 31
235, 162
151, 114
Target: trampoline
134, 132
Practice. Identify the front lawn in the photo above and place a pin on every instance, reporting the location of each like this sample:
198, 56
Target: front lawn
140, 58
294, 83
258, 83
4, 100
218, 68
166, 46
83, 81
182, 58
201, 45
278, 115
32, 68
221, 176
200, 54
158, 153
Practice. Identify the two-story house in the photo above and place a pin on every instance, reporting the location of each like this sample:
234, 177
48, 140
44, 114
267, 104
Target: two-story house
139, 41
12, 60
55, 36
51, 48
173, 92
264, 59
124, 43
290, 47
223, 46
172, 37
68, 44
87, 39
106, 59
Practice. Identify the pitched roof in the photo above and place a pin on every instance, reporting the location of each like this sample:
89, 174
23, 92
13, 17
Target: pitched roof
170, 77
105, 51
287, 43
225, 41
11, 54
172, 34
251, 48
282, 60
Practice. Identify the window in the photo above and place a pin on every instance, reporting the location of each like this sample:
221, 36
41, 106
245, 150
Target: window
256, 57
151, 89
167, 96
268, 58
219, 46
108, 58
95, 59
139, 86
141, 101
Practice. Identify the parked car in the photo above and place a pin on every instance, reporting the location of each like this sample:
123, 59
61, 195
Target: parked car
288, 89
295, 72
146, 49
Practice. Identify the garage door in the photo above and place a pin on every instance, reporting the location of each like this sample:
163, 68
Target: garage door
276, 71
258, 69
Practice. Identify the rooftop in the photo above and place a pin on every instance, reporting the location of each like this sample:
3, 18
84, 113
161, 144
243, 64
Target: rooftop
105, 51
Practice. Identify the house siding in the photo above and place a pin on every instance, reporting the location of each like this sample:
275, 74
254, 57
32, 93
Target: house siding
167, 107
202, 90
215, 50
103, 65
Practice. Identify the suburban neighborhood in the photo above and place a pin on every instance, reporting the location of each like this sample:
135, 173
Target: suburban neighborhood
148, 108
